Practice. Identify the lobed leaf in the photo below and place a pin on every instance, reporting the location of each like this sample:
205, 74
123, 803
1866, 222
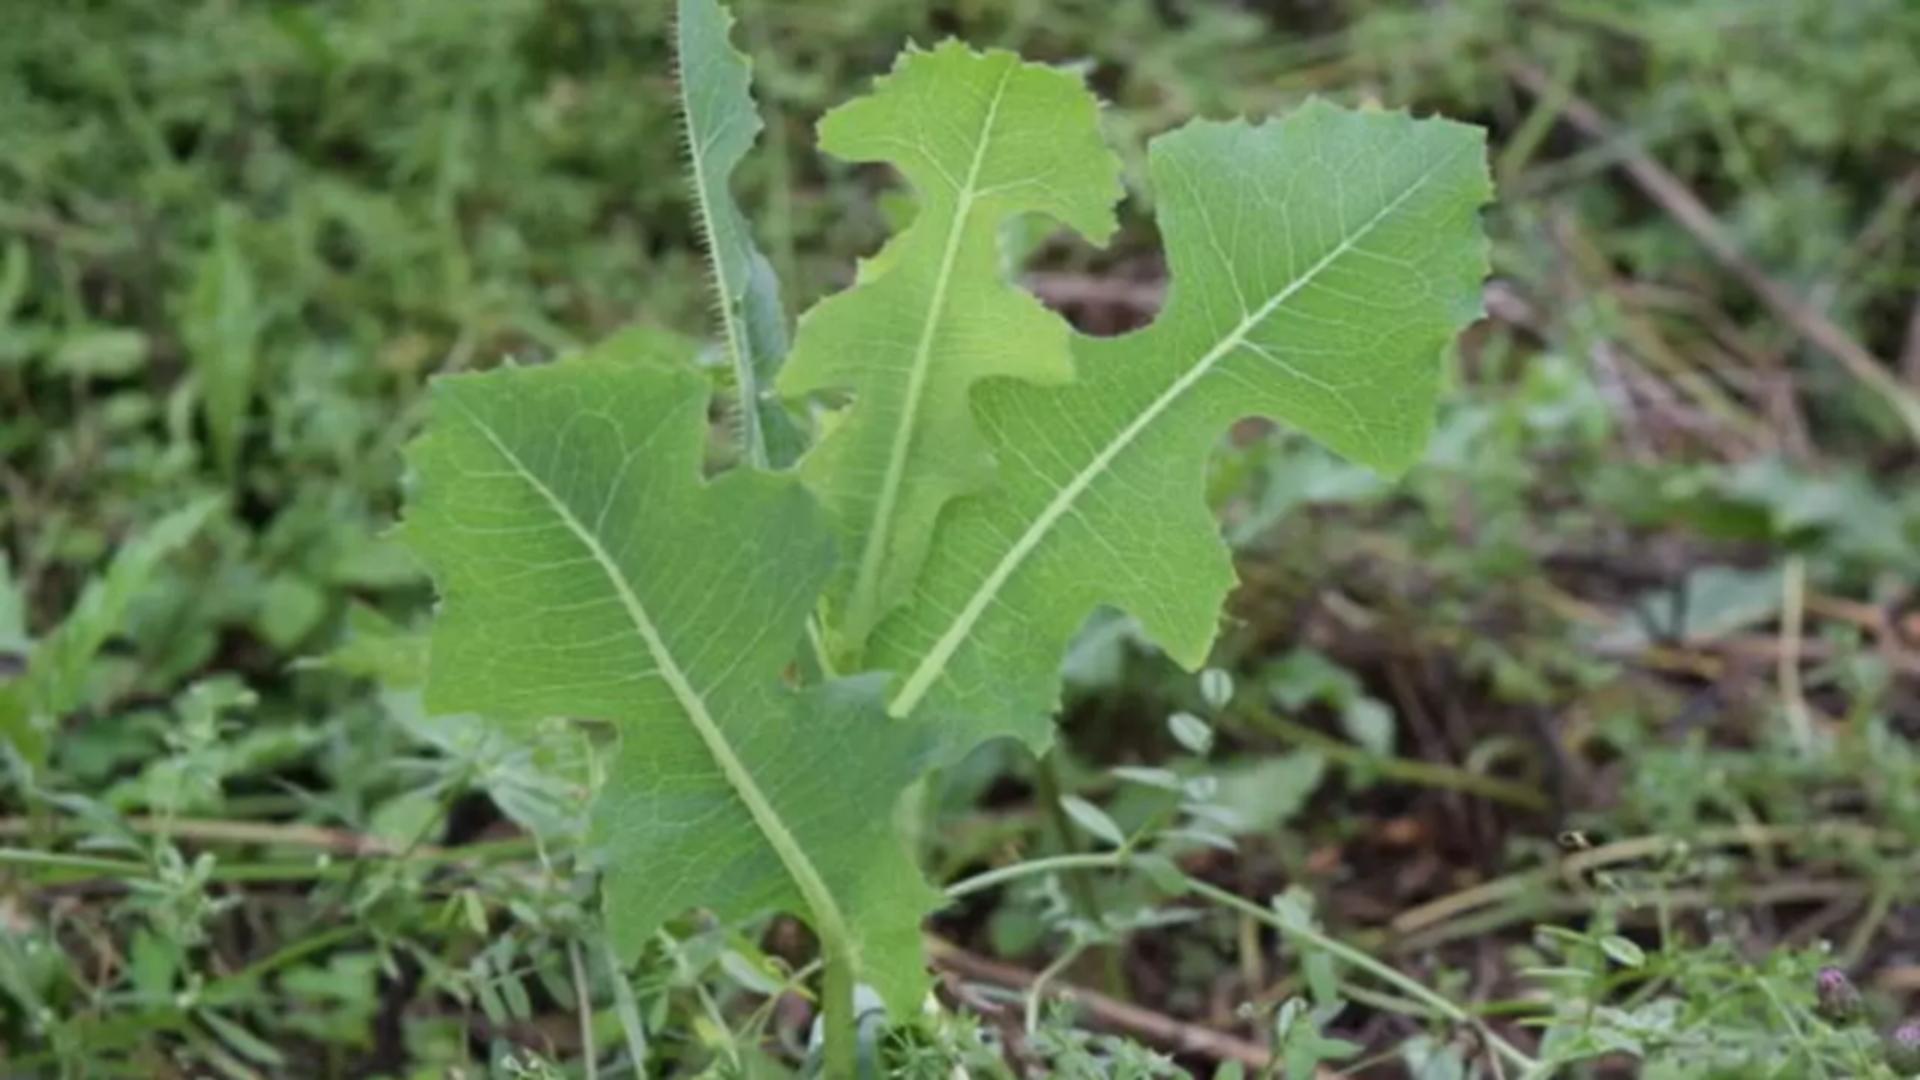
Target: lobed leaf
1319, 266
983, 138
586, 571
716, 102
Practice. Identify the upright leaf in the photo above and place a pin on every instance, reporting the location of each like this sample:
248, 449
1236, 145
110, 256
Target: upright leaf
58, 669
221, 324
1319, 266
13, 615
716, 102
983, 138
586, 571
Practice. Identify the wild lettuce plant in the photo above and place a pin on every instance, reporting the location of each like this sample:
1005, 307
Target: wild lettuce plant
780, 650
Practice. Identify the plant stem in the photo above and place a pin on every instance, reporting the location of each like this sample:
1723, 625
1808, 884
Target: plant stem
1794, 1031
1793, 700
1407, 985
626, 1006
221, 831
1103, 860
1038, 991
238, 981
1350, 955
1046, 780
583, 1007
1407, 770
840, 1026
80, 866
1046, 775
60, 867
724, 1034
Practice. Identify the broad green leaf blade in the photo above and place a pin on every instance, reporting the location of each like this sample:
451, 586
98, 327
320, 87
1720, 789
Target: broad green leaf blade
833, 765
983, 138
716, 102
585, 571
1319, 267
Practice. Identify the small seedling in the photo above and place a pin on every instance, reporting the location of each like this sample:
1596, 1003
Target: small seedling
994, 479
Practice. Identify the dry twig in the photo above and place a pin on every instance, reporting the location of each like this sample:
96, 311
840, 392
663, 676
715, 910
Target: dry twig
1113, 1014
1673, 196
264, 834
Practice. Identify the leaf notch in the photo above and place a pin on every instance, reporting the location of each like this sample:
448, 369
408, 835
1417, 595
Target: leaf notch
1319, 266
982, 137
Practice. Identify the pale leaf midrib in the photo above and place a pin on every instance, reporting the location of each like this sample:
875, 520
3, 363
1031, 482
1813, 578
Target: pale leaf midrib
917, 684
743, 373
830, 922
874, 551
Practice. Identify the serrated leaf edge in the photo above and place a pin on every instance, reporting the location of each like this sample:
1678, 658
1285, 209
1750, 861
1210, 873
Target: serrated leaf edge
829, 921
917, 683
746, 379
873, 552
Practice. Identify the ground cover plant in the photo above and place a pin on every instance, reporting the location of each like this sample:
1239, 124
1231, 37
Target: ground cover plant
455, 621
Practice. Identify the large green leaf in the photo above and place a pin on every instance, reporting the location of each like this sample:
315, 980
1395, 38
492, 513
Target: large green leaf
982, 138
1319, 267
586, 571
716, 104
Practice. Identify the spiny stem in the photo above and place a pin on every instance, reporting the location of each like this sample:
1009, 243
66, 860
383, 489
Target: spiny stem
727, 293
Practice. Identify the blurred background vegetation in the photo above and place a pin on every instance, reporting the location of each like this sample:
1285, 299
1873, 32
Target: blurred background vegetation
1602, 721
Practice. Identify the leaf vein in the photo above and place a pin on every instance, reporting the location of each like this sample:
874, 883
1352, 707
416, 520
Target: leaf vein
932, 665
812, 887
